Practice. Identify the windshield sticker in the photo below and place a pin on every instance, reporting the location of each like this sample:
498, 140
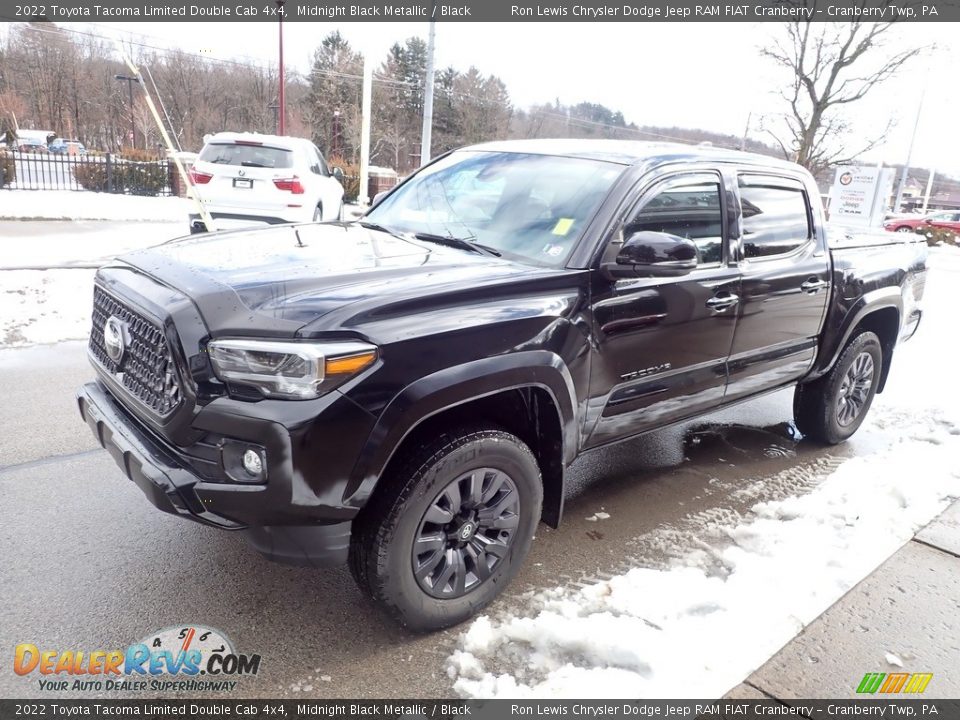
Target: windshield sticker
552, 250
563, 226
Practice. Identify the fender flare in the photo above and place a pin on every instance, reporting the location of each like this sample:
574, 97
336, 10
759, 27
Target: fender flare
868, 303
454, 386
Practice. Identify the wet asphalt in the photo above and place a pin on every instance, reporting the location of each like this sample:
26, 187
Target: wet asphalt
88, 563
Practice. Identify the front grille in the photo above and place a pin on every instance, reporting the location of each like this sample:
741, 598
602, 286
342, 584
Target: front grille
146, 367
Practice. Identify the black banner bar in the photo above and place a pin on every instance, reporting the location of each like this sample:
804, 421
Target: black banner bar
483, 709
482, 10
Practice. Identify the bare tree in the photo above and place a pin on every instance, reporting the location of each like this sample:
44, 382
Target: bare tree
833, 65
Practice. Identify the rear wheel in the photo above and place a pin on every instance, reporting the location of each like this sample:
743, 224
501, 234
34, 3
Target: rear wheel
832, 408
318, 213
450, 530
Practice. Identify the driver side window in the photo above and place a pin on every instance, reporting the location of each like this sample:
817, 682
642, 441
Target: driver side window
688, 207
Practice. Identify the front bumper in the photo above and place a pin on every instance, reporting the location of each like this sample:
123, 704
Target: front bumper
173, 488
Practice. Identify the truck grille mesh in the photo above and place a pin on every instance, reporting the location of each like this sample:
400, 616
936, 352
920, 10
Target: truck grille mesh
146, 367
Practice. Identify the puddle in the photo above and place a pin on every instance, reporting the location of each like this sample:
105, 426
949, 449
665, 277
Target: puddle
730, 443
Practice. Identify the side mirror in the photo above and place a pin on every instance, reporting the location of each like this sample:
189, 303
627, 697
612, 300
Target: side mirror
378, 197
653, 254
338, 175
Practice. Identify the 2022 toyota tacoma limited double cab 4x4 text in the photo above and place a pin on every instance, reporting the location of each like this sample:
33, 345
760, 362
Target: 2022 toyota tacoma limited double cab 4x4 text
404, 392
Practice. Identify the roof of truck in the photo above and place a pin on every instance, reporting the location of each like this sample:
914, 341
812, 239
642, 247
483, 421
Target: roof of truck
628, 152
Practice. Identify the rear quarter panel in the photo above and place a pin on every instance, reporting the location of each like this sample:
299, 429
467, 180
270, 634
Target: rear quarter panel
871, 271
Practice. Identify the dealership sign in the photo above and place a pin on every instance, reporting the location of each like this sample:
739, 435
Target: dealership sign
859, 195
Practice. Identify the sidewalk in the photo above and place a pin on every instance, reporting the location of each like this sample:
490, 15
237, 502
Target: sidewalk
907, 611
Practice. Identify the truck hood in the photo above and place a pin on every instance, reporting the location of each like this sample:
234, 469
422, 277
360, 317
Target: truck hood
279, 279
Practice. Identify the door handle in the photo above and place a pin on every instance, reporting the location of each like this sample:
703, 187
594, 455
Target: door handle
722, 302
814, 285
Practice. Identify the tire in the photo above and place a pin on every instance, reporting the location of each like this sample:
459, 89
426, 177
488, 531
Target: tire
339, 217
905, 229
832, 408
318, 213
419, 502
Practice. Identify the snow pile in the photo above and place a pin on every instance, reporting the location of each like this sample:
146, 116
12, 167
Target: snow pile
698, 628
84, 205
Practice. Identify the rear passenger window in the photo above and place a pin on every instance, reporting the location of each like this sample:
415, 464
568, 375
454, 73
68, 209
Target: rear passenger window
775, 219
688, 208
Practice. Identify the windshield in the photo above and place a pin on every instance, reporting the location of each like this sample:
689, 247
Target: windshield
247, 155
531, 206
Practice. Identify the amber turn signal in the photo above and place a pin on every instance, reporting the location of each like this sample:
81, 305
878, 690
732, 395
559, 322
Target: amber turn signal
349, 364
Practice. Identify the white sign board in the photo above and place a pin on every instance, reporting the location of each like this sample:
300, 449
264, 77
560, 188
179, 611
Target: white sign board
859, 195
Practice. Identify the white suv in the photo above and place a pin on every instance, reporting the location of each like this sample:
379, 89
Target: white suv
246, 178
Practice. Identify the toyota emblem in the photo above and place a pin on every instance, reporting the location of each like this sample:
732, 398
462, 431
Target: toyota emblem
114, 338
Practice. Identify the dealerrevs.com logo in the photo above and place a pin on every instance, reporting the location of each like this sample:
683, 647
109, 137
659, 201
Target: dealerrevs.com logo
181, 658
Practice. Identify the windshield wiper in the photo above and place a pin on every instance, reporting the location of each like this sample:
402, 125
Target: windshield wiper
462, 243
252, 163
377, 226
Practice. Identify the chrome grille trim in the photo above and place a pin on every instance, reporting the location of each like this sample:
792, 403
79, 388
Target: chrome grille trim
146, 370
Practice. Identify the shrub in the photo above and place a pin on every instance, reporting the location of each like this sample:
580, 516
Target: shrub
138, 154
351, 177
8, 168
91, 176
937, 236
134, 178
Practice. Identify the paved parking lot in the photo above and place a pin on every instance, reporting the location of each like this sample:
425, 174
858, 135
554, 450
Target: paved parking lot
92, 564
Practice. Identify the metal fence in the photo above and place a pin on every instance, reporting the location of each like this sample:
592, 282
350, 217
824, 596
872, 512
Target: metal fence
100, 173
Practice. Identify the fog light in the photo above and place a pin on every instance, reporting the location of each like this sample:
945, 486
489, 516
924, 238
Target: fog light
253, 463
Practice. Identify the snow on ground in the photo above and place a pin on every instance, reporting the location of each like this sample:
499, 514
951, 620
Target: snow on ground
40, 305
697, 629
44, 306
90, 243
85, 205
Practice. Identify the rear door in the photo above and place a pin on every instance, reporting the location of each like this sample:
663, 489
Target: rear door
662, 343
330, 191
785, 285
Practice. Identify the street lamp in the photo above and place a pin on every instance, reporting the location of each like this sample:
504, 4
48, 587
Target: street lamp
281, 130
133, 126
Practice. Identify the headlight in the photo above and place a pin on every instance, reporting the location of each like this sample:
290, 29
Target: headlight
291, 370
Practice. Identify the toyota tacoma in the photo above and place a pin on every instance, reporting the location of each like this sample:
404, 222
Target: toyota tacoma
404, 392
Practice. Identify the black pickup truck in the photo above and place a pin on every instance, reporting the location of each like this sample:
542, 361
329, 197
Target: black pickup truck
404, 392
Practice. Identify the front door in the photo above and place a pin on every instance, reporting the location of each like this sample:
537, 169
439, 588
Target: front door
662, 343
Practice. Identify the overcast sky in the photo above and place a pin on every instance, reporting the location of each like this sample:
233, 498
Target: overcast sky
702, 75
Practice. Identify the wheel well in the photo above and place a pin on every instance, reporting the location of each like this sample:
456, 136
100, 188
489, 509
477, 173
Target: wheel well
529, 413
885, 324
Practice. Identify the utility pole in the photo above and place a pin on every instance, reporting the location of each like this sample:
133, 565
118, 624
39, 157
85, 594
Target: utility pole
913, 137
743, 140
363, 196
425, 135
281, 125
133, 122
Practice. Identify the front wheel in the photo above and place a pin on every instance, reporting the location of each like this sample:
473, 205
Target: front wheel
905, 229
832, 408
451, 528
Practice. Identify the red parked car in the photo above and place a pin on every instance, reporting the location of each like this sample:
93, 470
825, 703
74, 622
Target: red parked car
945, 220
